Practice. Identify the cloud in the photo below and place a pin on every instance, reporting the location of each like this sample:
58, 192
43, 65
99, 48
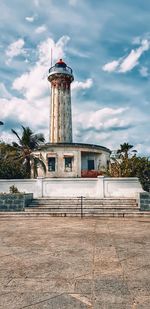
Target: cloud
73, 2
33, 114
144, 71
3, 92
132, 59
106, 118
15, 49
76, 85
102, 124
58, 49
136, 40
33, 84
101, 119
41, 29
30, 19
7, 136
126, 64
37, 3
111, 66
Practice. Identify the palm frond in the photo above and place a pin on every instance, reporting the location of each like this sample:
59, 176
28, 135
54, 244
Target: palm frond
14, 132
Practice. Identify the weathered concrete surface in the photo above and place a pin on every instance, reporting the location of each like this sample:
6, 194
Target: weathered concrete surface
144, 198
74, 263
15, 201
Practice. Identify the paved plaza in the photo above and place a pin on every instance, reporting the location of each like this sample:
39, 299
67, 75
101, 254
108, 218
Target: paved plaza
72, 263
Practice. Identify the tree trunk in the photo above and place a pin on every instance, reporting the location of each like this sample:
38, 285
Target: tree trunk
28, 167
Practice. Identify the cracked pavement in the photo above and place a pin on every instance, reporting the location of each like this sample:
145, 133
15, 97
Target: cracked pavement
65, 263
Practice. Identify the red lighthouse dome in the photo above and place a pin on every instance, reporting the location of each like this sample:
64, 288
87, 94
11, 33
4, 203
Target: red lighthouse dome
60, 64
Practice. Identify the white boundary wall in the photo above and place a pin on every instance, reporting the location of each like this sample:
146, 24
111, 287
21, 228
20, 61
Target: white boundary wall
100, 187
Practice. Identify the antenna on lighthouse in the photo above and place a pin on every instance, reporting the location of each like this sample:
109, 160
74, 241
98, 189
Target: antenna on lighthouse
51, 57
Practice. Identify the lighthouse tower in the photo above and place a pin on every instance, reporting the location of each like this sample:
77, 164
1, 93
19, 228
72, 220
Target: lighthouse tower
60, 76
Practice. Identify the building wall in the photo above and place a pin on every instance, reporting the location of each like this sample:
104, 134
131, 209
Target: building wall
100, 187
59, 154
79, 160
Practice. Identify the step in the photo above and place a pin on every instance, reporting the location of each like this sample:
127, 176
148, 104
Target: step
78, 210
84, 203
16, 215
79, 206
85, 200
84, 206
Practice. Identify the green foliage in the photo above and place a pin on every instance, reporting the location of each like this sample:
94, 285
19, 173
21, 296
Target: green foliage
9, 169
126, 163
25, 147
13, 190
18, 160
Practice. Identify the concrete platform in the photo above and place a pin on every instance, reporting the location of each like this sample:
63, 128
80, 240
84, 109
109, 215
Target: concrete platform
65, 263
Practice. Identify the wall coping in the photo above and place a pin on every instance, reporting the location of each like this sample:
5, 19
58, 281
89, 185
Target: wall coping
69, 179
120, 178
18, 180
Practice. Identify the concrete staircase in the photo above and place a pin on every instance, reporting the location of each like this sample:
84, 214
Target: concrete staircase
74, 207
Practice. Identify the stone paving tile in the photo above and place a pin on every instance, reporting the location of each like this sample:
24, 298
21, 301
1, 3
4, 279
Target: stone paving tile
73, 263
63, 301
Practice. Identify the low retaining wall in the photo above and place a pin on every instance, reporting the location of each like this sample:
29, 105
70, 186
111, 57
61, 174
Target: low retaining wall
144, 200
122, 187
14, 202
99, 187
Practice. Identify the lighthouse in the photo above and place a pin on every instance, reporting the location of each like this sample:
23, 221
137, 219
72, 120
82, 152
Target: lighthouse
63, 157
60, 76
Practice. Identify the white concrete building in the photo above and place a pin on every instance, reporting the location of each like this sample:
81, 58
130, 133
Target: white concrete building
62, 157
73, 160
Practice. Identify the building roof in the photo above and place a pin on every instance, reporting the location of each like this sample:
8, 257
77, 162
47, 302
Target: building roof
75, 145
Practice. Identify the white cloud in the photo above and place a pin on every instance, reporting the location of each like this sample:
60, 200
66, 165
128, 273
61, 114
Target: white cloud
34, 84
126, 64
3, 92
132, 59
41, 29
15, 49
101, 125
25, 112
30, 19
37, 3
102, 118
7, 137
73, 2
144, 71
58, 50
105, 118
76, 85
111, 66
136, 40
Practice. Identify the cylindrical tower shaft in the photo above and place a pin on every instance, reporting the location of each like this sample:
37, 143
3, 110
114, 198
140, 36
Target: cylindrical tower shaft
60, 115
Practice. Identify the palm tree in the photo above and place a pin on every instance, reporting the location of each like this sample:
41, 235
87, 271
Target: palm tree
28, 143
124, 150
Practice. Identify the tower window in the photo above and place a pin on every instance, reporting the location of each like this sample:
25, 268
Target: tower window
51, 164
90, 165
68, 164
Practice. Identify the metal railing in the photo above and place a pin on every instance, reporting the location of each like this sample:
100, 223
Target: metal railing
60, 69
81, 204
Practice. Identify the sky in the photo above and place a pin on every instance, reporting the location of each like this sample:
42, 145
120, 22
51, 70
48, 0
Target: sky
106, 43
